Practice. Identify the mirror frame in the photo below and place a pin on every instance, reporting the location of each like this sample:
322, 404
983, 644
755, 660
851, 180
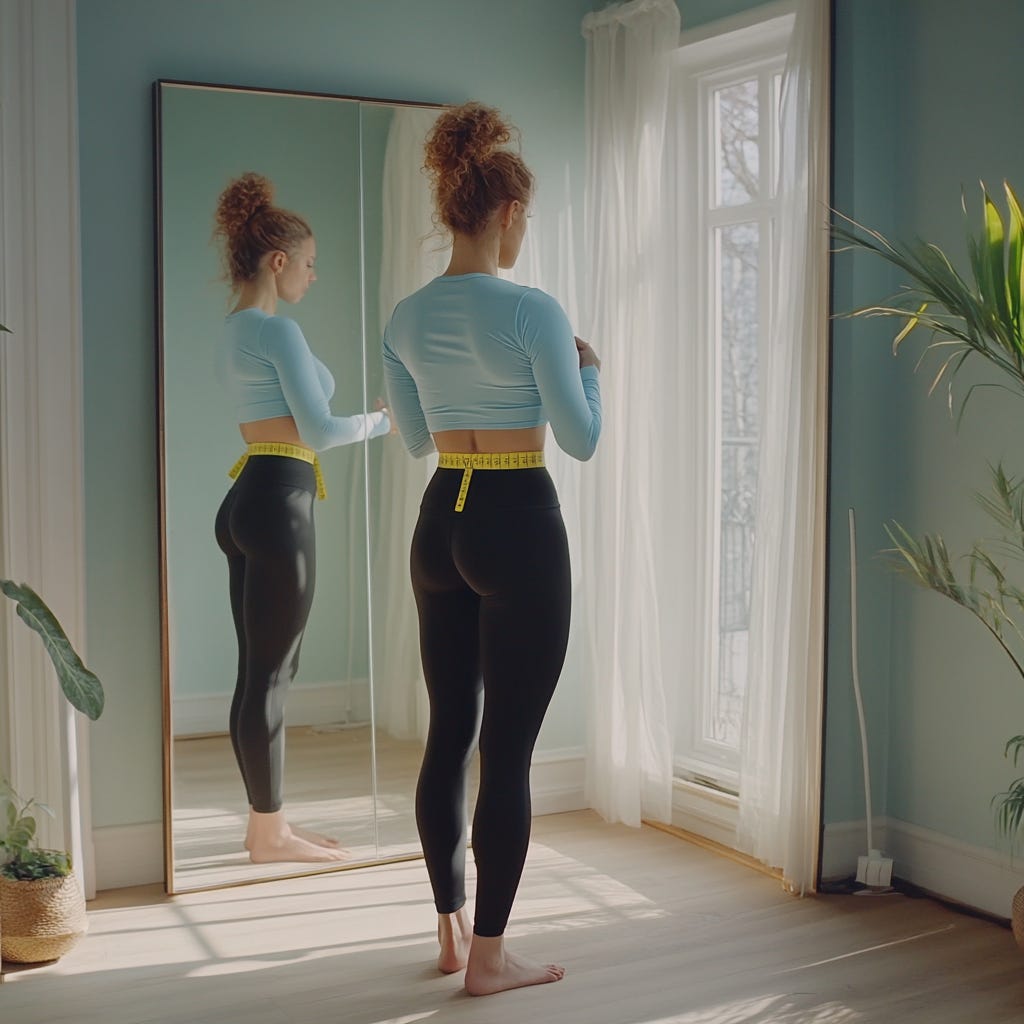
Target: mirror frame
165, 662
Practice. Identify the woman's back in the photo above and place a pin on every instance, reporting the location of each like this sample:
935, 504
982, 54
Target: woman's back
476, 352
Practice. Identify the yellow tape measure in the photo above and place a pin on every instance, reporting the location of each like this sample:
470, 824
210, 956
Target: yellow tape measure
291, 451
468, 461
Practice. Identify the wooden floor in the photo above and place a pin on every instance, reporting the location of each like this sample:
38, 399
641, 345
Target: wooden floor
651, 929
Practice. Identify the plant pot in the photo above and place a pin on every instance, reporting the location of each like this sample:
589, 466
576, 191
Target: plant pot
42, 919
1017, 917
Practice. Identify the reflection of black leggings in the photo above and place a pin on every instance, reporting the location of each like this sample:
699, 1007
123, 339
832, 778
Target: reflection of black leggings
265, 527
492, 588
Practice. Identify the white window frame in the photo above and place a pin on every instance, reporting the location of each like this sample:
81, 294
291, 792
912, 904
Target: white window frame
725, 52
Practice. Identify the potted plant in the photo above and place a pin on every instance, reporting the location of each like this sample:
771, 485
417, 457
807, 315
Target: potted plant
42, 908
978, 314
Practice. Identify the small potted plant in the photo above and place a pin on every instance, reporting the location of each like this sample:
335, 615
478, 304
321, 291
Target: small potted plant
42, 909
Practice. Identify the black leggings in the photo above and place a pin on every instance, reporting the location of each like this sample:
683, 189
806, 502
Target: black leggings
492, 588
265, 527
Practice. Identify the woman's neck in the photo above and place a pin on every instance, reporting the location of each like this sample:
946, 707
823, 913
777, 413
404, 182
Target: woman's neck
259, 293
474, 255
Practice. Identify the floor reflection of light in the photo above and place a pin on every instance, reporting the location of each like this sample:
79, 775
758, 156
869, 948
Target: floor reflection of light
871, 949
779, 1009
408, 1019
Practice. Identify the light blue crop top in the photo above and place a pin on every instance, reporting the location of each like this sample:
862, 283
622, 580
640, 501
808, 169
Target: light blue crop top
478, 352
267, 368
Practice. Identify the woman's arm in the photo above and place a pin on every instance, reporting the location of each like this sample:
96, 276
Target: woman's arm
569, 394
284, 344
405, 404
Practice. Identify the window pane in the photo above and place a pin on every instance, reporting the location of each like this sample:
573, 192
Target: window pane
738, 248
736, 143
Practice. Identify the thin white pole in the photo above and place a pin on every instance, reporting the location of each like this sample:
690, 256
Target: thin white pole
856, 672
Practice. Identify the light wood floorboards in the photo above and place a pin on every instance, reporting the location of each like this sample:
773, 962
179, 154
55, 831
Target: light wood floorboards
651, 929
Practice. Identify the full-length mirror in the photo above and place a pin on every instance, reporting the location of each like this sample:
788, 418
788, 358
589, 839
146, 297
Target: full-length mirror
353, 714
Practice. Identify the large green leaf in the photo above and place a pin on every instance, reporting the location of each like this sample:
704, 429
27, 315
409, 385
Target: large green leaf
981, 313
80, 686
1015, 259
995, 255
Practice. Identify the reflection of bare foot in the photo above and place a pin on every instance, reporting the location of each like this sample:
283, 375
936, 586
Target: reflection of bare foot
311, 837
270, 839
455, 934
492, 969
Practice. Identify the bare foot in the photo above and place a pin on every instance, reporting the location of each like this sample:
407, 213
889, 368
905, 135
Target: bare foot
492, 968
270, 839
316, 838
455, 934
294, 848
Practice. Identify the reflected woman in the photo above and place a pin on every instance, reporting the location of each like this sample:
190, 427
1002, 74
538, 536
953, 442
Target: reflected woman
476, 366
279, 392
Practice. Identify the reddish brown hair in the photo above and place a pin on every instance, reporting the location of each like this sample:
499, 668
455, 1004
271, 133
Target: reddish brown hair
472, 174
251, 226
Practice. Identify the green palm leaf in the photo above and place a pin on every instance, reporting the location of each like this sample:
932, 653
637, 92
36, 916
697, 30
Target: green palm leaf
80, 686
980, 315
1014, 257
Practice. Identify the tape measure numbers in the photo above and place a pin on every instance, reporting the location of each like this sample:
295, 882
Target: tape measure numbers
470, 461
290, 451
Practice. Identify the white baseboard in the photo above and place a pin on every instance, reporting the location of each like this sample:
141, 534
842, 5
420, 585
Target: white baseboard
308, 704
972, 875
556, 781
129, 855
705, 811
845, 841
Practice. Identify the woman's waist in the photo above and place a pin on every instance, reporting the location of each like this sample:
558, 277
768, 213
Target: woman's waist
273, 430
273, 463
491, 439
472, 482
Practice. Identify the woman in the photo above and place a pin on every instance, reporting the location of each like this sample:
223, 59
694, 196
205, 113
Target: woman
476, 366
280, 392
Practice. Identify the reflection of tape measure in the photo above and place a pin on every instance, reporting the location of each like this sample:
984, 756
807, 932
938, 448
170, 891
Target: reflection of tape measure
469, 461
290, 451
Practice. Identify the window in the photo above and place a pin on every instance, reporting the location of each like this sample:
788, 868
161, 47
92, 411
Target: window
726, 107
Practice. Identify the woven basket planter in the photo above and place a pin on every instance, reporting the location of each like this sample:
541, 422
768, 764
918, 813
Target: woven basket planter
1017, 917
40, 920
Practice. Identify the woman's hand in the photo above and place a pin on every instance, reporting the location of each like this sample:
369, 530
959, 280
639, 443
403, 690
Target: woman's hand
588, 357
379, 406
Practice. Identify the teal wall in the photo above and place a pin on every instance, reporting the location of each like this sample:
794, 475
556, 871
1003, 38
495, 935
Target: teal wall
525, 57
868, 393
922, 108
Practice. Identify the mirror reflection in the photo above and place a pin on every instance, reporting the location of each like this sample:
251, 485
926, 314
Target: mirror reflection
335, 750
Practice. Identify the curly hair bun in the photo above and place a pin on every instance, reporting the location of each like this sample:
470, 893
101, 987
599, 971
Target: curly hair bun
249, 226
243, 198
463, 136
471, 170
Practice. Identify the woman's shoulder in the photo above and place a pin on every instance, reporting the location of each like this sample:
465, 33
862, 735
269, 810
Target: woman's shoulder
276, 334
275, 325
537, 304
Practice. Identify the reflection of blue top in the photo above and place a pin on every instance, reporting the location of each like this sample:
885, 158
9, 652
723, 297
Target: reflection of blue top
267, 368
478, 352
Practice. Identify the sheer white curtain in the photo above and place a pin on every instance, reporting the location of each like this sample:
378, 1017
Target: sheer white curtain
780, 755
627, 317
412, 254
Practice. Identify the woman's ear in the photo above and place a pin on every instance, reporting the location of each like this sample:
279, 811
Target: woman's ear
277, 260
509, 213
